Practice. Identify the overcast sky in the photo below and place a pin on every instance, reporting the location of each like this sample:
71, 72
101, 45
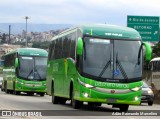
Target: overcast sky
76, 11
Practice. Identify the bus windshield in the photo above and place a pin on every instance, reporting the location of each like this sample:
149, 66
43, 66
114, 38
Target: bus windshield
32, 68
112, 60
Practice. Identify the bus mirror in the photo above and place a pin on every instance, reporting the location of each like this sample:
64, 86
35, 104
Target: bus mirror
16, 62
80, 46
148, 54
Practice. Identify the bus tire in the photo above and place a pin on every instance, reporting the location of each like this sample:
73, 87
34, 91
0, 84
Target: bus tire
41, 94
91, 104
98, 104
75, 103
16, 92
62, 100
30, 93
94, 104
124, 107
54, 98
150, 103
6, 90
14, 89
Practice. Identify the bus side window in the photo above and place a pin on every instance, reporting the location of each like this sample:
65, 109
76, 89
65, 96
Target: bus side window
153, 67
150, 66
158, 65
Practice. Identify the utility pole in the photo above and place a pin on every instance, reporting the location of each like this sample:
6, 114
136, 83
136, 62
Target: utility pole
9, 34
26, 17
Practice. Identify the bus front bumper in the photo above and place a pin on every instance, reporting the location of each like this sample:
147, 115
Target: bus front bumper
91, 95
30, 88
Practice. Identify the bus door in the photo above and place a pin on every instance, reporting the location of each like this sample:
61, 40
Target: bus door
69, 69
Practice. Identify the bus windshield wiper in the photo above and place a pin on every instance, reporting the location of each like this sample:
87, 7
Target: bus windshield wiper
34, 73
105, 67
29, 73
38, 73
120, 67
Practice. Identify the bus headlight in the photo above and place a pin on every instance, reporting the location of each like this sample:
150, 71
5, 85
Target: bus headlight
136, 98
88, 86
86, 95
85, 84
136, 89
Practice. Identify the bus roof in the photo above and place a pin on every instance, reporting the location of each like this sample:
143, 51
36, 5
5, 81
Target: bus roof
155, 59
111, 31
29, 51
105, 31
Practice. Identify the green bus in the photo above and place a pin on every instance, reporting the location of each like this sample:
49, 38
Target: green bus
96, 64
25, 71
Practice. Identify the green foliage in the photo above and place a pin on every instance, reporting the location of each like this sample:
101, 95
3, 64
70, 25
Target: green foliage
19, 43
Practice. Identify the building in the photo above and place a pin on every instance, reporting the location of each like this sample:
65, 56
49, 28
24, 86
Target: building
5, 48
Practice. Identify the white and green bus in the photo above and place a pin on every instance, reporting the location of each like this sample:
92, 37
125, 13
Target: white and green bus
96, 64
152, 76
25, 71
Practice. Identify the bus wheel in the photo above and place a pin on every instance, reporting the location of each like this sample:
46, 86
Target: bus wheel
62, 100
54, 98
98, 104
16, 92
6, 90
75, 103
91, 104
41, 94
123, 107
150, 103
94, 104
30, 93
11, 91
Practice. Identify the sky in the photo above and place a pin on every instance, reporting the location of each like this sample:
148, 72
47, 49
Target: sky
76, 11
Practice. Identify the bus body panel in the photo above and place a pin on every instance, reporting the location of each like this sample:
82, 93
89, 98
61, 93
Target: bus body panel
62, 86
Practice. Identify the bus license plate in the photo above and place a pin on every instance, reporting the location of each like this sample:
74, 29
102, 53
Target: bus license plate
111, 100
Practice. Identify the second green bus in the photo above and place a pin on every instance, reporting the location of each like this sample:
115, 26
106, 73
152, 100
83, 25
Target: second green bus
25, 71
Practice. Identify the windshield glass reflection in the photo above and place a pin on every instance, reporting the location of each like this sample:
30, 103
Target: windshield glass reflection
32, 68
111, 59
